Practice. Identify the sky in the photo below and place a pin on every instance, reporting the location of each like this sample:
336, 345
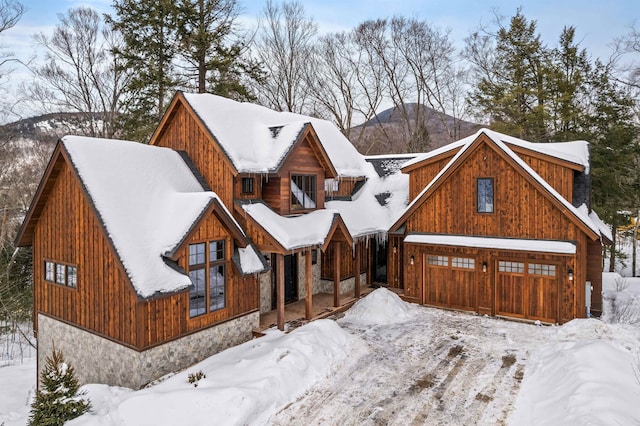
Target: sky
597, 22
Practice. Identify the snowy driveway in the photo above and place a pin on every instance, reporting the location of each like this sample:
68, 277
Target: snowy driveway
438, 368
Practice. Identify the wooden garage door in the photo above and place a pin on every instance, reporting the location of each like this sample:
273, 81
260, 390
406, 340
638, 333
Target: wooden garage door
449, 281
527, 290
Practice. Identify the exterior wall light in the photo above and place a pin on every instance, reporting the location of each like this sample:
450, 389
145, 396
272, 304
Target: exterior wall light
412, 260
395, 249
484, 266
570, 274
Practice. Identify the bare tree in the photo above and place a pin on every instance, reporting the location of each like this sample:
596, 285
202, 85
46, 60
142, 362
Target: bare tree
81, 72
284, 44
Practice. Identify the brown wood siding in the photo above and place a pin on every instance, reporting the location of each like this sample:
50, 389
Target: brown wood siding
327, 271
520, 210
345, 187
559, 177
420, 178
394, 263
300, 161
554, 299
184, 132
257, 187
104, 301
594, 274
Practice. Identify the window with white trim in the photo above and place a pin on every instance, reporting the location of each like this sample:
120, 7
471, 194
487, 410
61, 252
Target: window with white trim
514, 267
542, 269
437, 260
463, 263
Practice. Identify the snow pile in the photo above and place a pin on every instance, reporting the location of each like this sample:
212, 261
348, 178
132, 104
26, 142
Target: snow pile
17, 386
379, 307
587, 375
242, 385
620, 299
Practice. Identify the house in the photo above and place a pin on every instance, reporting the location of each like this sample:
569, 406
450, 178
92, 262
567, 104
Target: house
115, 226
157, 256
501, 226
296, 185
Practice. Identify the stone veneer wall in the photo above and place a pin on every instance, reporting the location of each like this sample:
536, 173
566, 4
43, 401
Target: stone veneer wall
99, 360
315, 276
266, 292
346, 286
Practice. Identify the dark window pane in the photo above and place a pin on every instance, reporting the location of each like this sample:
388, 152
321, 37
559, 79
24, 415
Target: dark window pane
247, 185
216, 251
197, 254
197, 295
49, 271
216, 287
485, 195
303, 192
60, 274
72, 276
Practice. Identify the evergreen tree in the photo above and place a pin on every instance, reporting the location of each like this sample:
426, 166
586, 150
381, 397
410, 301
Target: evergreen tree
57, 400
205, 32
512, 70
149, 30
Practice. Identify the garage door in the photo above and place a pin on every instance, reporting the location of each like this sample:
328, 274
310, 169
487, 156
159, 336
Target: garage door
449, 281
527, 290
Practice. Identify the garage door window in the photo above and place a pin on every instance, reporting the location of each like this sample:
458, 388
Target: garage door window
463, 263
540, 269
517, 267
438, 260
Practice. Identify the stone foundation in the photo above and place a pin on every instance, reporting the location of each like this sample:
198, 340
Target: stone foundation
346, 286
99, 360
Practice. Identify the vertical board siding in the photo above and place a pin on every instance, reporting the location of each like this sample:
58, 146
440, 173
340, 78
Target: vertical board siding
183, 132
104, 301
347, 253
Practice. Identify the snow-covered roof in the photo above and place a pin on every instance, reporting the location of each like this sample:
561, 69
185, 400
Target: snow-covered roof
294, 232
543, 246
257, 139
148, 200
497, 139
364, 215
604, 229
576, 152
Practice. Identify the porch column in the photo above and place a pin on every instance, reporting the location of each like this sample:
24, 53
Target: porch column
308, 285
280, 290
356, 268
369, 266
336, 276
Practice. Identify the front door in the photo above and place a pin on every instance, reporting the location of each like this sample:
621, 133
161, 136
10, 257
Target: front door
379, 262
290, 280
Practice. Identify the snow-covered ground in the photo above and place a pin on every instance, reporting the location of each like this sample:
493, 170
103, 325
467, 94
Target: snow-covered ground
387, 362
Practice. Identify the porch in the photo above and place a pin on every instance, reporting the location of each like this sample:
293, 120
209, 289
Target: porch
323, 307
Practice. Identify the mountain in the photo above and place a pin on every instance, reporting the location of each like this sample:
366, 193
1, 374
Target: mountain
47, 128
387, 132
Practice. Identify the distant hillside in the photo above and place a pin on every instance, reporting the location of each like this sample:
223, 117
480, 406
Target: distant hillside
47, 128
386, 133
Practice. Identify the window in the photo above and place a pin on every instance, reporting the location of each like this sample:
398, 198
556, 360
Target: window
438, 260
72, 276
207, 273
331, 186
303, 192
485, 195
517, 267
49, 271
60, 274
314, 257
462, 263
247, 185
542, 269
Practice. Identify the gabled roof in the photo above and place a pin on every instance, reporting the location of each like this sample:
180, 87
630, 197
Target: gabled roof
147, 200
256, 139
573, 154
575, 215
292, 233
364, 214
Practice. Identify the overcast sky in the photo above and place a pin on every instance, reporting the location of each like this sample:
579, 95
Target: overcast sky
597, 22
